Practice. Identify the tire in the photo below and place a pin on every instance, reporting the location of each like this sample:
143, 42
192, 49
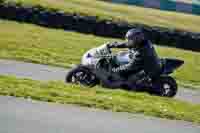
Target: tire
91, 78
167, 87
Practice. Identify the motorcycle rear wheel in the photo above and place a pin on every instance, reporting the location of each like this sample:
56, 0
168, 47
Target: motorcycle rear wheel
167, 86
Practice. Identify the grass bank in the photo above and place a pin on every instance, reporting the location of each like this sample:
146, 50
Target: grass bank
118, 100
32, 43
117, 12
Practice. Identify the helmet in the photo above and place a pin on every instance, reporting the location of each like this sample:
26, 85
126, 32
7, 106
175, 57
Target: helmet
135, 37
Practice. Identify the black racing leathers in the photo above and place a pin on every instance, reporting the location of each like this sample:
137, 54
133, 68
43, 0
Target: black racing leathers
143, 58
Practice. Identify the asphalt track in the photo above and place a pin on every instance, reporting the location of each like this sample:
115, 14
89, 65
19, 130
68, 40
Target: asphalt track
24, 116
46, 73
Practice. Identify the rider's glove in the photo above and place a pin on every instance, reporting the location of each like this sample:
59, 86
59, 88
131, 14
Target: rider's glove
107, 44
110, 45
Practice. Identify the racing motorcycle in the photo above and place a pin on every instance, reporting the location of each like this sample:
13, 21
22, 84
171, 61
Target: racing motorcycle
89, 73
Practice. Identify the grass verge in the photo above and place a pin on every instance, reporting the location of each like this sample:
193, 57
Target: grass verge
117, 12
32, 43
118, 100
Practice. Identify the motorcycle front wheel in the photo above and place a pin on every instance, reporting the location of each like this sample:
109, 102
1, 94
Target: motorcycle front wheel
81, 75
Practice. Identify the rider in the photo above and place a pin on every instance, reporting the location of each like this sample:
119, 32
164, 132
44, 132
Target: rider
142, 56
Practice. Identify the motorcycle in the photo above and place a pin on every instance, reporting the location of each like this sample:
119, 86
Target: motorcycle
89, 73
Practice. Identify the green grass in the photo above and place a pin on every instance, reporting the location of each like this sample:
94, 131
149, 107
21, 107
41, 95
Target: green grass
32, 43
116, 12
118, 100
